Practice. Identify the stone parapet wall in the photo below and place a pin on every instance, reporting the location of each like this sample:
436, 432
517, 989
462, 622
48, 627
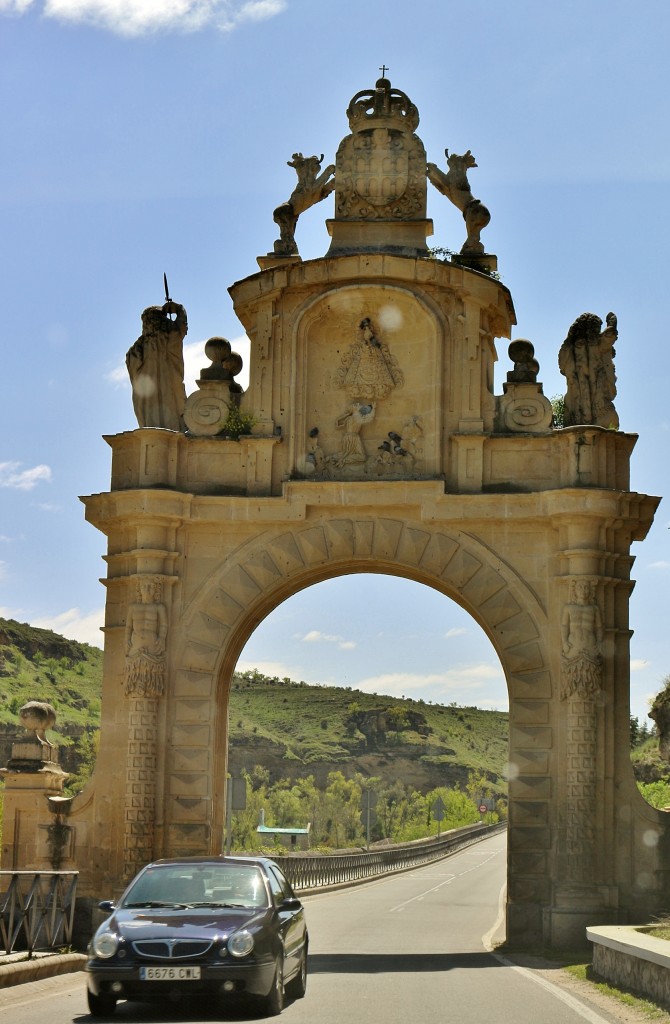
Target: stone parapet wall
630, 959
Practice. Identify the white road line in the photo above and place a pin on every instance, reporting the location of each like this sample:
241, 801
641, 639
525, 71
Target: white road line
420, 896
582, 1011
427, 892
487, 939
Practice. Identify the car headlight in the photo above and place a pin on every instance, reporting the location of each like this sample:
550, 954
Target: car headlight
241, 943
105, 944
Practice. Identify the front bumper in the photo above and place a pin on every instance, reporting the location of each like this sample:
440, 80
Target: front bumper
254, 978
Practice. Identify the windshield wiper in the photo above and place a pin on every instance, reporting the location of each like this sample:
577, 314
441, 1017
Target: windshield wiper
208, 903
153, 904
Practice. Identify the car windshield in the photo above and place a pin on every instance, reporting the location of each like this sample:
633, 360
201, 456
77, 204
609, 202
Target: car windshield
201, 885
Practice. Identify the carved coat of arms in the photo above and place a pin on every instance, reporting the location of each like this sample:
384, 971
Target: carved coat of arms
380, 166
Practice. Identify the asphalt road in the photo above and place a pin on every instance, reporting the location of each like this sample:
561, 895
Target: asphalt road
412, 947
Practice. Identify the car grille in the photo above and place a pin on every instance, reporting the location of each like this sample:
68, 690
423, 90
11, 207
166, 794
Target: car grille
179, 949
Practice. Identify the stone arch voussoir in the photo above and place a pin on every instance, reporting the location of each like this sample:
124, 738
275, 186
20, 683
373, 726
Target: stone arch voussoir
278, 563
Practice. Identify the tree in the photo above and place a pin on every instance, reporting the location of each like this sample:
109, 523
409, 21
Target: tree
342, 807
660, 713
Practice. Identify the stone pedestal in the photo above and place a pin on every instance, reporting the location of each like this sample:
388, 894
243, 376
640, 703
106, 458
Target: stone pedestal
32, 774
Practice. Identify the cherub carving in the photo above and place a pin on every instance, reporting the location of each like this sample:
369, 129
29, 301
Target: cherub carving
456, 187
312, 187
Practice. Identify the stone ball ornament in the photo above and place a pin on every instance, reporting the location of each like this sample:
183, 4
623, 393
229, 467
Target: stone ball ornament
207, 409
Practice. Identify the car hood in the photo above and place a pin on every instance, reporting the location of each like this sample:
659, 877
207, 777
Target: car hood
135, 925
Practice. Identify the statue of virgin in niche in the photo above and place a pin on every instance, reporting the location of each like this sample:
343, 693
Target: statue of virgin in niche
368, 369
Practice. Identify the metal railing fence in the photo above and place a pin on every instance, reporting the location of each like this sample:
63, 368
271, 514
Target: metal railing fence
314, 871
36, 909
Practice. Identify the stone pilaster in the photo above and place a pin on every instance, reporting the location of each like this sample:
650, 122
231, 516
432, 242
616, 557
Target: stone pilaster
141, 763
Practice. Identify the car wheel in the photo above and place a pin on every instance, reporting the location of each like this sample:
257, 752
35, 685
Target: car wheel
274, 1001
102, 1005
297, 986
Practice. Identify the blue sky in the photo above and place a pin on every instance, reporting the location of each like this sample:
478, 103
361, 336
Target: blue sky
140, 136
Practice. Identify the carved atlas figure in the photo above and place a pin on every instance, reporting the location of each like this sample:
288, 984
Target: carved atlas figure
581, 641
146, 633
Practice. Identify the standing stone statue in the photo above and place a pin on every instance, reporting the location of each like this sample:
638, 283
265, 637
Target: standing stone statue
586, 360
156, 367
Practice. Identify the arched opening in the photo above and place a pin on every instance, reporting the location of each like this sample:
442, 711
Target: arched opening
367, 682
230, 605
365, 687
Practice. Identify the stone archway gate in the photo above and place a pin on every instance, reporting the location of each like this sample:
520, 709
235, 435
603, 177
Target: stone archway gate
377, 444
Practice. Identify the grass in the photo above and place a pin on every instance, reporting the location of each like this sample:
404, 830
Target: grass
651, 1010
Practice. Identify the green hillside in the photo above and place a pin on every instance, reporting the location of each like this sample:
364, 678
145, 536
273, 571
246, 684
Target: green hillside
294, 730
290, 729
307, 752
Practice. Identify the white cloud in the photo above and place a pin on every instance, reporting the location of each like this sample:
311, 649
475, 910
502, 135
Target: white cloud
118, 376
141, 17
638, 664
47, 506
659, 565
455, 681
315, 636
15, 6
76, 625
456, 631
256, 10
11, 475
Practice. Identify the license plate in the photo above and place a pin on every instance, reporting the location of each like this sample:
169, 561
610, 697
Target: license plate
169, 973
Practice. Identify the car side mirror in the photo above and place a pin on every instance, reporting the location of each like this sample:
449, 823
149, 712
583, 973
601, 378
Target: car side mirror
290, 903
107, 905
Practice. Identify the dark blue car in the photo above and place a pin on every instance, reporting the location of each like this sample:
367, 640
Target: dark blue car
223, 926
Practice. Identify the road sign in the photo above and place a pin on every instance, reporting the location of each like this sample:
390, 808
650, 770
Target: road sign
238, 791
439, 807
